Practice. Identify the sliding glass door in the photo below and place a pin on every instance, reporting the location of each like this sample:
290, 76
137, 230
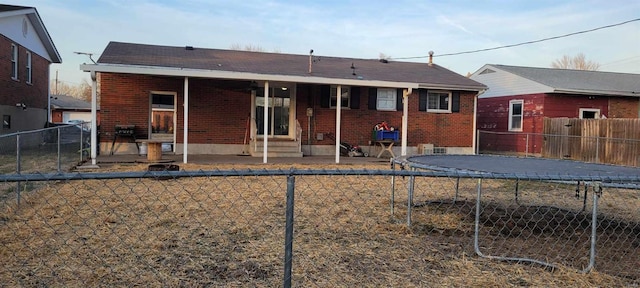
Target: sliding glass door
279, 111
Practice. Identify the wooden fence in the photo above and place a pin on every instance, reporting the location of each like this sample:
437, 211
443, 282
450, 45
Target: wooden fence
611, 141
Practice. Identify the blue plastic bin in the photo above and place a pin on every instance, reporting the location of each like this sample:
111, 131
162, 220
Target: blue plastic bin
387, 135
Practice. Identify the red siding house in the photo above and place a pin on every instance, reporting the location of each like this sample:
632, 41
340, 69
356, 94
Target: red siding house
518, 98
26, 51
230, 102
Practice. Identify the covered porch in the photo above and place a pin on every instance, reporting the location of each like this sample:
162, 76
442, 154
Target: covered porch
198, 116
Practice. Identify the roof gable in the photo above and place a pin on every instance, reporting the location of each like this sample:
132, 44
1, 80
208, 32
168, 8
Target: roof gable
19, 21
142, 55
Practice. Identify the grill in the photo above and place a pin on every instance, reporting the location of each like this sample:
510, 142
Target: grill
125, 130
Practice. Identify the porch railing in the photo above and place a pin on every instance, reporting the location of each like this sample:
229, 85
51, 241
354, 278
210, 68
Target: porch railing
299, 135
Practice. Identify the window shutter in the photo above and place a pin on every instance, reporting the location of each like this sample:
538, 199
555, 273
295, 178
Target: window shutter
422, 99
325, 96
355, 98
373, 97
399, 92
455, 101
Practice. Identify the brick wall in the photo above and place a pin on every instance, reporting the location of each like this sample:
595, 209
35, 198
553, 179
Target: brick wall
19, 91
441, 129
624, 107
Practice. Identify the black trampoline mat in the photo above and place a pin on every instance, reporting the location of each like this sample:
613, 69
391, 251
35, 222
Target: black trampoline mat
519, 165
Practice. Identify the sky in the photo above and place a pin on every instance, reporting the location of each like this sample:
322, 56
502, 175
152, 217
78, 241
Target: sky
400, 29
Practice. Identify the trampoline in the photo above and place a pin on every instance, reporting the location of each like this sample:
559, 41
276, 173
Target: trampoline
516, 165
592, 176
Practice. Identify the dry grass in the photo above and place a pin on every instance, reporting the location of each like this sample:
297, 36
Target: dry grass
229, 232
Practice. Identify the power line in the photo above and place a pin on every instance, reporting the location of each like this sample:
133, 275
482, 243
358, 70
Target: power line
524, 43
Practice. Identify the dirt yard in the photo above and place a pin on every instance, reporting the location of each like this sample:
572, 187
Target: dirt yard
229, 232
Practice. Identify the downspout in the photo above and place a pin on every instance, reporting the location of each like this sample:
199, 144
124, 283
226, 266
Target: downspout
475, 119
185, 135
338, 120
49, 118
94, 118
405, 119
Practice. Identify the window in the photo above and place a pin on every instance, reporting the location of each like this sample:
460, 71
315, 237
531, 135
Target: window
162, 115
345, 97
515, 115
438, 101
589, 113
386, 100
6, 121
28, 67
14, 62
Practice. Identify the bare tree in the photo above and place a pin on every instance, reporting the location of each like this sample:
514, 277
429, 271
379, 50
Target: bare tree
252, 48
578, 62
81, 91
383, 56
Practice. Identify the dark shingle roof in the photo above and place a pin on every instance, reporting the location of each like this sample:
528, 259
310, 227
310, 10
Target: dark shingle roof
4, 8
579, 80
281, 64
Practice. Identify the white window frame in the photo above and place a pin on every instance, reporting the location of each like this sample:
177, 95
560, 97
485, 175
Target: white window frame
164, 136
346, 97
511, 115
582, 110
438, 93
29, 68
386, 99
14, 62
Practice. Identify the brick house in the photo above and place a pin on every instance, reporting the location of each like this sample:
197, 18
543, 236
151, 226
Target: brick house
27, 52
519, 98
222, 93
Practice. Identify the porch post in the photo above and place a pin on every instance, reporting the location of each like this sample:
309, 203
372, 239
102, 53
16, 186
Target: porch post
405, 119
338, 119
94, 118
265, 133
185, 135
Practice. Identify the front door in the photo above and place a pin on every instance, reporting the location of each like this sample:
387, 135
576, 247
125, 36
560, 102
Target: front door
280, 112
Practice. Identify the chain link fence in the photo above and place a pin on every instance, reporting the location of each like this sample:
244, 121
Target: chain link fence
53, 149
315, 228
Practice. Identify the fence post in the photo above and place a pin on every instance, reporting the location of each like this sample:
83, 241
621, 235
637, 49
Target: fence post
59, 156
477, 142
597, 193
18, 153
393, 186
18, 168
82, 142
288, 235
410, 197
598, 149
526, 149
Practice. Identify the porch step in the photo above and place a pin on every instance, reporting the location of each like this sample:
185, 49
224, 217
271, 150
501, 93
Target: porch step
278, 154
277, 148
